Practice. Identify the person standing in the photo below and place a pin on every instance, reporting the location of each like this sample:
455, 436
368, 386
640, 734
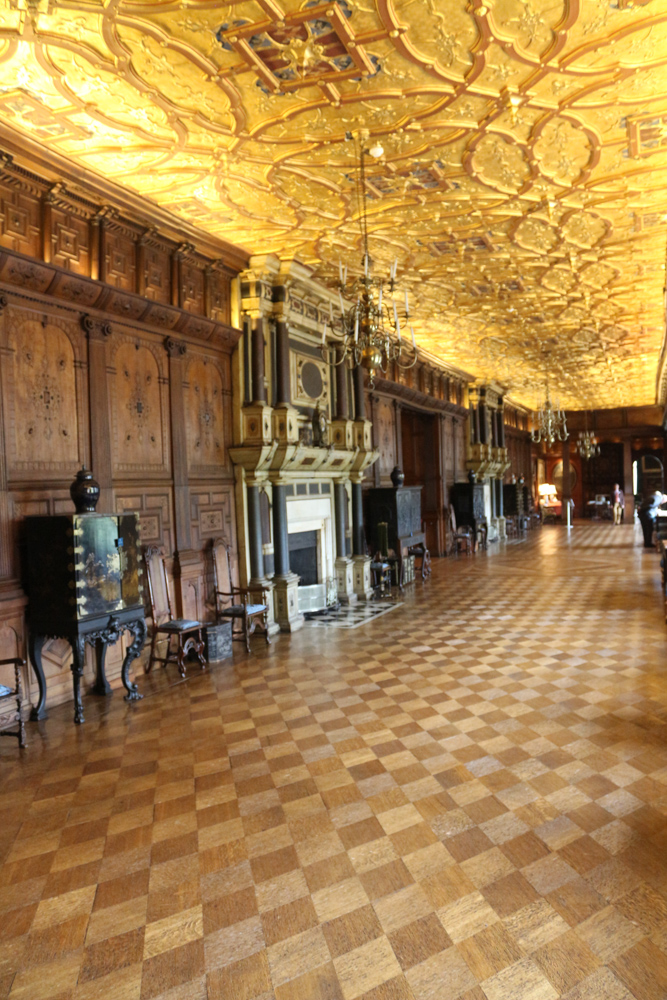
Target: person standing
647, 514
619, 503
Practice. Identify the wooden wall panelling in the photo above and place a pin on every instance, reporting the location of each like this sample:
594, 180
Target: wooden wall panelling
385, 416
6, 567
192, 287
217, 293
153, 270
20, 218
187, 563
140, 407
213, 516
66, 234
208, 415
154, 507
117, 255
100, 421
44, 385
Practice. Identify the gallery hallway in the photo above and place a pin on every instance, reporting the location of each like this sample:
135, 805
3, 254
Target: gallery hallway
464, 798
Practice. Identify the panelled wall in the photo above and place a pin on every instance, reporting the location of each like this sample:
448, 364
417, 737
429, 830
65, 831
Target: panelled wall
115, 353
420, 424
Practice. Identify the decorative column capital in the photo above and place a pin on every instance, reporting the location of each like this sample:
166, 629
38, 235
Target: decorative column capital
96, 329
175, 348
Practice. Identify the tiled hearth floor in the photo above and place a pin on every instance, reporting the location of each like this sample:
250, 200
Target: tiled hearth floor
466, 798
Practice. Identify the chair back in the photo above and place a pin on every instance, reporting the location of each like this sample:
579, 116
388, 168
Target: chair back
158, 588
452, 519
222, 570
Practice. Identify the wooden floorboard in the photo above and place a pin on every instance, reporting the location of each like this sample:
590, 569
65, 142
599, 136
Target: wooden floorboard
464, 799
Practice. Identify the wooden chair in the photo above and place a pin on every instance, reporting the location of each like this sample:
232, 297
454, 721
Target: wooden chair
236, 603
459, 537
381, 575
11, 694
511, 527
187, 633
420, 551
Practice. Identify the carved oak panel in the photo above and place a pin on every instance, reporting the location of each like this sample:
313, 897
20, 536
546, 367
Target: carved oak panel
219, 296
140, 439
192, 287
120, 262
207, 422
20, 222
386, 436
70, 241
157, 275
41, 393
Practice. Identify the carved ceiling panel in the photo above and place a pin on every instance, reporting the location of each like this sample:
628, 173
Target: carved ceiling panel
523, 187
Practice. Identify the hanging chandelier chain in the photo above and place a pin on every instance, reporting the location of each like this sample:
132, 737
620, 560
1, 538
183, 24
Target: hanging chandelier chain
369, 332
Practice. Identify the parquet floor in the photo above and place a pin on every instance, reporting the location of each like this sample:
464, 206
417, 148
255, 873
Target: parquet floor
466, 798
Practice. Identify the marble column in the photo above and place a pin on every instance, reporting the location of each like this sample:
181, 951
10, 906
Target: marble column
567, 490
258, 368
255, 535
286, 583
344, 566
259, 586
283, 393
280, 537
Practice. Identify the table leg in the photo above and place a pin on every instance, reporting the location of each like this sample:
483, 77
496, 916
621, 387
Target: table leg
138, 630
101, 685
78, 660
35, 645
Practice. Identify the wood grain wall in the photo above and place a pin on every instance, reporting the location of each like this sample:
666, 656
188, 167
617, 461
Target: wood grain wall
94, 310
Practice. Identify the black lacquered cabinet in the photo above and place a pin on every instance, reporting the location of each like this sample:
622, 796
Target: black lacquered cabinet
467, 499
401, 510
83, 579
514, 500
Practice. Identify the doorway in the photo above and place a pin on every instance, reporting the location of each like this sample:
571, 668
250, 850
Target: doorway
420, 439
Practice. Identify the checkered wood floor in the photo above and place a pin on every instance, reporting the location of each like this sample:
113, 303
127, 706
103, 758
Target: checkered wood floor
466, 798
353, 616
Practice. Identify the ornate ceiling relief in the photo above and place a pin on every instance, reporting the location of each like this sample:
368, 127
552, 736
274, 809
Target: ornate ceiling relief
523, 185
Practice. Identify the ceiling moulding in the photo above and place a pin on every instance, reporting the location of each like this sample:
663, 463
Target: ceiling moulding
49, 167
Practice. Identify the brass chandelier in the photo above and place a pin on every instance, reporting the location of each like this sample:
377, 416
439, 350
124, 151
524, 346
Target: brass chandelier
373, 331
551, 423
587, 443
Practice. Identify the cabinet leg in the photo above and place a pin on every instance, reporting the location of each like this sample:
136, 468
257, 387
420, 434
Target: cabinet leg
78, 660
35, 645
138, 630
101, 685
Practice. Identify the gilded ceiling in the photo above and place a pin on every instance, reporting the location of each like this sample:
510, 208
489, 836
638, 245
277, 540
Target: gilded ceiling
523, 187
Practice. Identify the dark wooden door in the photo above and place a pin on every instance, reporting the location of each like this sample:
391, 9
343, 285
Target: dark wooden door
422, 467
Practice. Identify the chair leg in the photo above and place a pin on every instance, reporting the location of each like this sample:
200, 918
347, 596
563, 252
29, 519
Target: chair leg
19, 707
180, 656
199, 649
149, 666
265, 618
246, 631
